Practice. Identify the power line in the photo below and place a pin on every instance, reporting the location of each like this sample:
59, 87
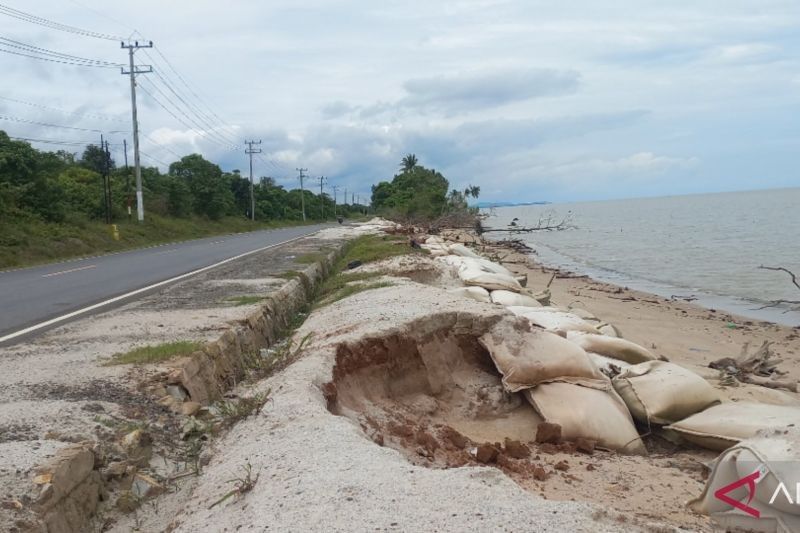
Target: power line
49, 108
33, 19
54, 60
151, 158
46, 124
55, 141
11, 43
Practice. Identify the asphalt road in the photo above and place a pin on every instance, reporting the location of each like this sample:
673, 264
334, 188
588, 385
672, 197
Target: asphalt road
32, 296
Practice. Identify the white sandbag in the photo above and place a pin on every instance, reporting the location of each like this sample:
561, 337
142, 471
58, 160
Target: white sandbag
473, 293
658, 392
543, 297
775, 456
589, 409
488, 266
609, 330
607, 365
433, 239
526, 357
488, 280
584, 314
508, 298
553, 319
621, 349
463, 251
724, 425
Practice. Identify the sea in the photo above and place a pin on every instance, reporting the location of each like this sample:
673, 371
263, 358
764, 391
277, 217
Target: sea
703, 246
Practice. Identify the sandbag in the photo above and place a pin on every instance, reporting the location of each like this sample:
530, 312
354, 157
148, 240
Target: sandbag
463, 251
621, 349
658, 392
474, 293
488, 266
508, 298
776, 458
526, 357
433, 239
553, 319
488, 280
607, 365
721, 426
584, 314
589, 409
609, 330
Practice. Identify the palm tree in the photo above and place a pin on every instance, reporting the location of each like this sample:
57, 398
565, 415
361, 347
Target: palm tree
409, 162
472, 190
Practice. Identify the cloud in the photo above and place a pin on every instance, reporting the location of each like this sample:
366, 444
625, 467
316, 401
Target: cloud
486, 90
465, 93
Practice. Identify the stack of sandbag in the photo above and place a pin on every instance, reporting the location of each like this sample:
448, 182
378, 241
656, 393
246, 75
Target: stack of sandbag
658, 392
436, 246
562, 383
615, 348
479, 294
767, 470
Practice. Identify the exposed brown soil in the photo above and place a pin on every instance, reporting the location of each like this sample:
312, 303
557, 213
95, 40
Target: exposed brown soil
440, 402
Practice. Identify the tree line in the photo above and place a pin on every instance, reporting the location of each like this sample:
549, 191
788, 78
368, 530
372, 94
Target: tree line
420, 193
57, 186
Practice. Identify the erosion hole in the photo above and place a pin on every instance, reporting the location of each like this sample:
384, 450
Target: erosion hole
429, 396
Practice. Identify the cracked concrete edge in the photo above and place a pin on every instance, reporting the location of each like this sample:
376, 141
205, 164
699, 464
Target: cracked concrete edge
71, 487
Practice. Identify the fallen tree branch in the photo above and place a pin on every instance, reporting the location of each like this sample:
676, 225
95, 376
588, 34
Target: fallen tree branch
795, 282
758, 368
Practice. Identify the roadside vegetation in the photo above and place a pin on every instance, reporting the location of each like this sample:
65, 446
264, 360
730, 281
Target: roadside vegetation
52, 204
156, 353
366, 249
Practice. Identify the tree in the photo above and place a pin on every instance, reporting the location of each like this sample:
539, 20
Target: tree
94, 158
210, 192
409, 162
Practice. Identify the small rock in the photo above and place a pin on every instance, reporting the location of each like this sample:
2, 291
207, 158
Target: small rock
563, 466
190, 408
486, 453
548, 433
454, 437
127, 502
115, 469
584, 445
590, 467
174, 377
353, 264
539, 473
516, 449
145, 487
138, 446
177, 392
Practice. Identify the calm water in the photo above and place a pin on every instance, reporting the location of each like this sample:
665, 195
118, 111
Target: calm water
708, 246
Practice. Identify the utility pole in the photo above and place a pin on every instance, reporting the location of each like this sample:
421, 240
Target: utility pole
322, 180
250, 150
335, 192
104, 175
302, 192
133, 70
125, 151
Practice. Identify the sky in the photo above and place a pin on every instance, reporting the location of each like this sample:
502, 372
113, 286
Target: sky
531, 100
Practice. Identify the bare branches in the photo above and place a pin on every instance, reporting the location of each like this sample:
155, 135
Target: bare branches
547, 222
795, 282
758, 368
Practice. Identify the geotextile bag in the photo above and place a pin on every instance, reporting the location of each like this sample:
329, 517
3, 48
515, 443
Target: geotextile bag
508, 298
526, 357
463, 251
553, 319
621, 349
474, 293
772, 458
589, 409
488, 280
721, 426
658, 392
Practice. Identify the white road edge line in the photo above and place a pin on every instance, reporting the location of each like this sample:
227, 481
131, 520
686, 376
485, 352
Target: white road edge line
68, 271
137, 291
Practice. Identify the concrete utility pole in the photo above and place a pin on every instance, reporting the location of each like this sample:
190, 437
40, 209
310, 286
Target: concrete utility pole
250, 150
302, 192
335, 192
322, 180
133, 71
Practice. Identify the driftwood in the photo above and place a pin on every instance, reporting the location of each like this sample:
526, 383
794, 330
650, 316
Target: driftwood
515, 244
795, 282
547, 222
758, 368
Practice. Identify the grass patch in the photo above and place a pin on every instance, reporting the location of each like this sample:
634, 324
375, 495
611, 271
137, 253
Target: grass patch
289, 274
245, 300
232, 411
349, 290
155, 354
307, 259
29, 241
367, 249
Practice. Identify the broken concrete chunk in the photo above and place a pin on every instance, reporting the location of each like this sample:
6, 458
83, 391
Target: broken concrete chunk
177, 392
190, 408
144, 487
138, 446
486, 453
